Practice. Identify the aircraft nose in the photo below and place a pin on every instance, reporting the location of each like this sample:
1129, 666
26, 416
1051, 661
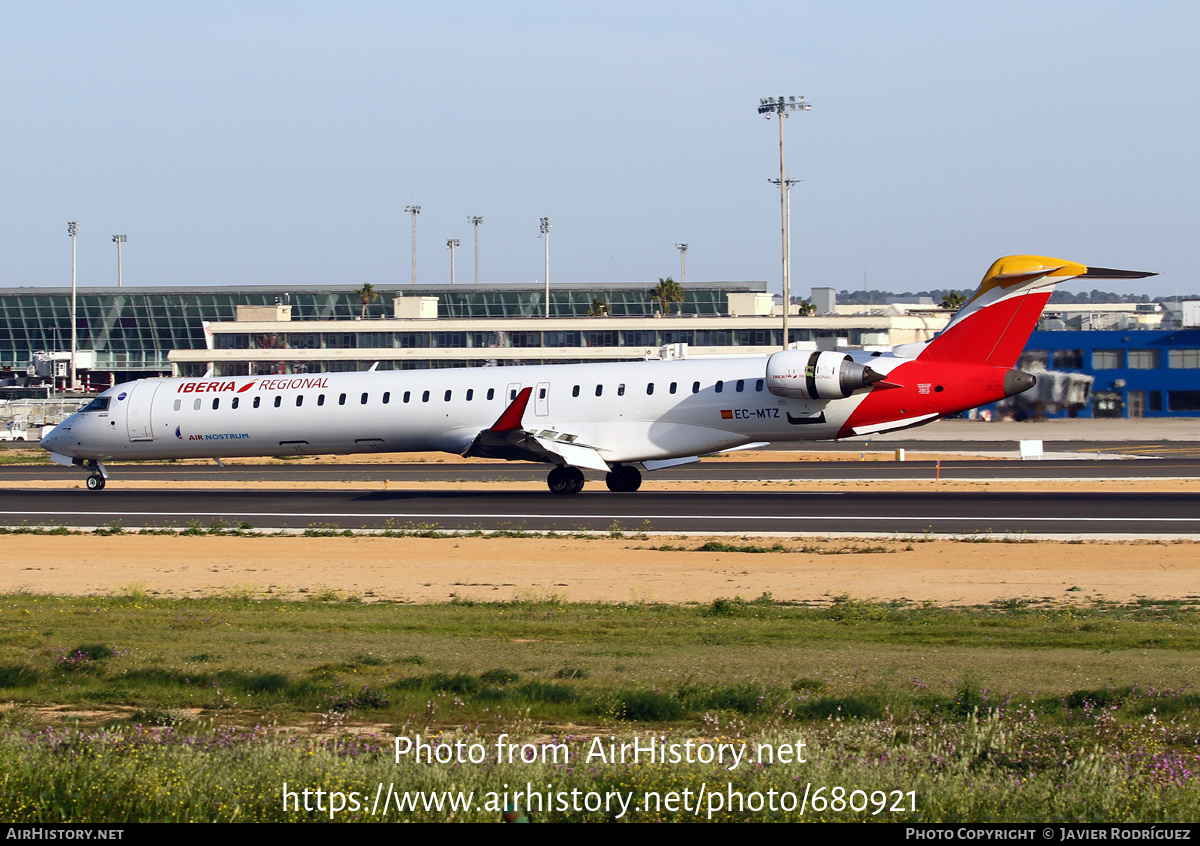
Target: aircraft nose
56, 437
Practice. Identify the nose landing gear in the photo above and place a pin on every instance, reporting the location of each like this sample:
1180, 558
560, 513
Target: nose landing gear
95, 482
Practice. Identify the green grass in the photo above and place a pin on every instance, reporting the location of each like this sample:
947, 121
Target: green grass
1016, 710
571, 661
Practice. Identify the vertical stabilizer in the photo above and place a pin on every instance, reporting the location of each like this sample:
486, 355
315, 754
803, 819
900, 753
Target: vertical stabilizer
995, 323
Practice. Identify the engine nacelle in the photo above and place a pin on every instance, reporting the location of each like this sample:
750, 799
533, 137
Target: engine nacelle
817, 375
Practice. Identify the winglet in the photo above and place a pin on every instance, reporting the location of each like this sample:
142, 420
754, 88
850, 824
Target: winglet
511, 418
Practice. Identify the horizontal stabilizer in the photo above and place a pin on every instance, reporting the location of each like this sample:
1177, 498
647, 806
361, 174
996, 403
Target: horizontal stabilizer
994, 324
1109, 273
893, 425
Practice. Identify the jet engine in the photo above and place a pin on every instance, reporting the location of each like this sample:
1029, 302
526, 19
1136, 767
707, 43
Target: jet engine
817, 375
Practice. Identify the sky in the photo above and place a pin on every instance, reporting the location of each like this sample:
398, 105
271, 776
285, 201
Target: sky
256, 142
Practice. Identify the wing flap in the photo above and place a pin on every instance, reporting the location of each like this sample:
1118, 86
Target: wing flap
508, 439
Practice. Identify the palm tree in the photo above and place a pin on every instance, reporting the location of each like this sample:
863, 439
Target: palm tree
806, 308
599, 308
367, 294
953, 301
667, 291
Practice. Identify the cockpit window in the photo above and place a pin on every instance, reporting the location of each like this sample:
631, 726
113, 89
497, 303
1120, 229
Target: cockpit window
98, 404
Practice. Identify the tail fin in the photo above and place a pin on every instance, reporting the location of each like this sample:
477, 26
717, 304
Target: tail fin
995, 323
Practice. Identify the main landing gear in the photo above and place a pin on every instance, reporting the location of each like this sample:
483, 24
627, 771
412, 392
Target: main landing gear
569, 480
623, 479
95, 482
565, 480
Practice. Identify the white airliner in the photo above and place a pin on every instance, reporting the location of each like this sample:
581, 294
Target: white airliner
606, 417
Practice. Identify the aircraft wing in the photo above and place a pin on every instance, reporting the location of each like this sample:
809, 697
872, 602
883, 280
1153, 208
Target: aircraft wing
510, 440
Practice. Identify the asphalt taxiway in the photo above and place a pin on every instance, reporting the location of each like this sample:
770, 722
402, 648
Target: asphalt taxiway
805, 510
179, 495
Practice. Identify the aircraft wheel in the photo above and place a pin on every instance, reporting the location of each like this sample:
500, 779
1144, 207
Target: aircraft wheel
565, 480
623, 479
95, 483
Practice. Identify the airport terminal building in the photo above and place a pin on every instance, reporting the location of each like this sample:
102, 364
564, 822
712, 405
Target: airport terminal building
132, 333
1092, 361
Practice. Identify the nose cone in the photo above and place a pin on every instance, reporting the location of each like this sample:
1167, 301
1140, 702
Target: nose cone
49, 439
59, 438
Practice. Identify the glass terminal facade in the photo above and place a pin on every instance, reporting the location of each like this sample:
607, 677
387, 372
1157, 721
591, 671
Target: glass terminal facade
132, 330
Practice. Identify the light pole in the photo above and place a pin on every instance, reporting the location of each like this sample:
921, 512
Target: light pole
119, 240
451, 243
476, 221
547, 225
414, 211
781, 106
73, 231
682, 263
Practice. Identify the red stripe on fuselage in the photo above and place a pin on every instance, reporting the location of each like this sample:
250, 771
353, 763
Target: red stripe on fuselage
940, 387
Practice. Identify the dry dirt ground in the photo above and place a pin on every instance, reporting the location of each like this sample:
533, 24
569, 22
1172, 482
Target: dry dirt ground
613, 569
599, 569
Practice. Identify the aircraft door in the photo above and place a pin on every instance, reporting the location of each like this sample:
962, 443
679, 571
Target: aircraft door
542, 399
137, 410
514, 388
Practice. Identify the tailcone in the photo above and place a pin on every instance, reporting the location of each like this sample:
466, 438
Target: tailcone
1018, 381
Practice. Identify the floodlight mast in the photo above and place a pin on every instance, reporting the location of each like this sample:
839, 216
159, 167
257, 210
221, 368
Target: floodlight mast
119, 240
414, 211
683, 248
547, 223
451, 243
781, 106
73, 232
476, 220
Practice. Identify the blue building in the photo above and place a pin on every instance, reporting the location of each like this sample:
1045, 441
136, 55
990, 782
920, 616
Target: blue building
1136, 372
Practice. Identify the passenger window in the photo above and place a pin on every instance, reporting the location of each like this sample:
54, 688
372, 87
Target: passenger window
425, 396
470, 394
299, 400
447, 397
234, 404
342, 399
695, 387
541, 393
278, 401
741, 385
363, 401
196, 405
512, 395
674, 385
491, 393
407, 396
649, 388
320, 399
621, 389
216, 403
575, 391
720, 386
758, 385
177, 403
599, 390
387, 396
257, 402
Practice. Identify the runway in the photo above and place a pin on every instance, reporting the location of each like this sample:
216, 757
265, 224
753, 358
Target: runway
809, 510
744, 468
